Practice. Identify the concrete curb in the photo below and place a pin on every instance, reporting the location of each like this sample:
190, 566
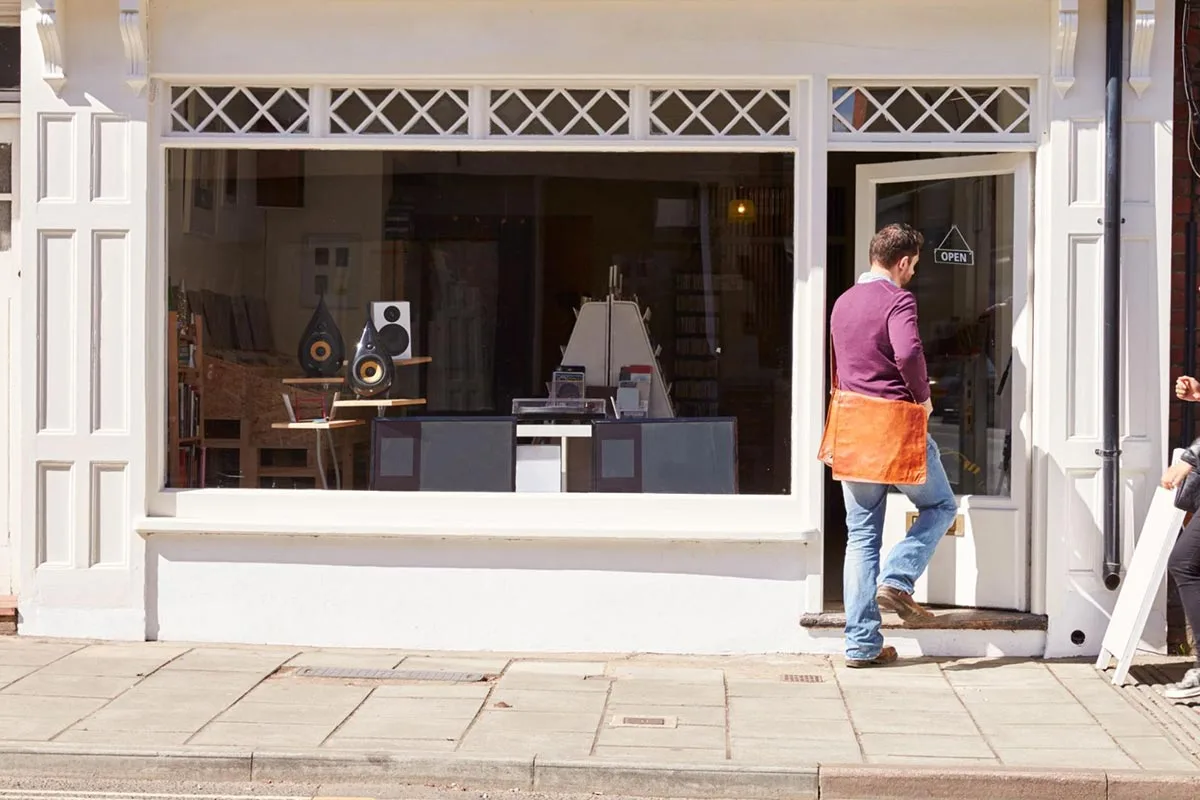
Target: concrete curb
664, 780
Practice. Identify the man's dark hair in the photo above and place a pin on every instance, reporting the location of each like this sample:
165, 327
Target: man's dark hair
893, 243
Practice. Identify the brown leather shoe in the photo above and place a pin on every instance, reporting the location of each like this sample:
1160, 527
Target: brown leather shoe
886, 656
892, 599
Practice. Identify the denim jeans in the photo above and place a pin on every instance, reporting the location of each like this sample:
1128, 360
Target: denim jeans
865, 506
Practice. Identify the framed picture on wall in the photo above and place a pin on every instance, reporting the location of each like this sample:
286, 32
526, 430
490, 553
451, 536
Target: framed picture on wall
239, 219
200, 192
332, 263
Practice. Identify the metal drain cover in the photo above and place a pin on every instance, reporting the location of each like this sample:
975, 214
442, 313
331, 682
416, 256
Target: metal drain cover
631, 721
796, 678
390, 674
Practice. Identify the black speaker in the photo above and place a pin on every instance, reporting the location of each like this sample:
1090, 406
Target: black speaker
371, 370
322, 351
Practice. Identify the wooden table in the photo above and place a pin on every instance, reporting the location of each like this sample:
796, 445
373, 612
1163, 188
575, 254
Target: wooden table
380, 405
317, 426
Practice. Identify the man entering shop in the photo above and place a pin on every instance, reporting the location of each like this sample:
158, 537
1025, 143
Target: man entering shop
877, 436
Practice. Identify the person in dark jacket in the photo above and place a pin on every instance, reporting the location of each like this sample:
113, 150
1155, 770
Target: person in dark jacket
1184, 565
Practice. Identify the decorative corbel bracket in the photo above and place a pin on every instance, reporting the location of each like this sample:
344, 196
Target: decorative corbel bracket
1141, 45
49, 32
133, 36
1064, 45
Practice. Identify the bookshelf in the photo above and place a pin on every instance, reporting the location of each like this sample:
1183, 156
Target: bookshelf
185, 406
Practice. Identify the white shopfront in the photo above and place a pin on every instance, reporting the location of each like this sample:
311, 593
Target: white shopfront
152, 133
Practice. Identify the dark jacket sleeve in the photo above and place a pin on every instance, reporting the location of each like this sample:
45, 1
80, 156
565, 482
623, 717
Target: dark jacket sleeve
1191, 454
906, 345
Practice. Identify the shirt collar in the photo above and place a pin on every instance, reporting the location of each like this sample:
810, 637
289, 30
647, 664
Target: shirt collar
868, 277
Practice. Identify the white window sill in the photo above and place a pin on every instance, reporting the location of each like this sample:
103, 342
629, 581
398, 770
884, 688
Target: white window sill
248, 512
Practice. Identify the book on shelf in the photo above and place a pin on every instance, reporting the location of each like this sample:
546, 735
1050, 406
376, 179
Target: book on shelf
187, 355
189, 412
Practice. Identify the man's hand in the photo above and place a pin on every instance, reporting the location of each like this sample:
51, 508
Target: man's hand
1187, 388
1175, 475
928, 406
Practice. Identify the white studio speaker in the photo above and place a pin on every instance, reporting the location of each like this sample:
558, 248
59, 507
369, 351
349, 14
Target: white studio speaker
393, 320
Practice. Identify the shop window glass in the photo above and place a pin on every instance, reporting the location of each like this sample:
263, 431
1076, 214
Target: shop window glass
964, 290
556, 301
10, 59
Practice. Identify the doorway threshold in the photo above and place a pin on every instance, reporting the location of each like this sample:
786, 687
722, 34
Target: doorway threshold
945, 618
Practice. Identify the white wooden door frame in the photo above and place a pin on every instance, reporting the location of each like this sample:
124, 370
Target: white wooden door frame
1017, 503
10, 316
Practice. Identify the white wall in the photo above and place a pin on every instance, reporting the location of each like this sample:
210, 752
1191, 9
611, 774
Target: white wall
479, 595
568, 38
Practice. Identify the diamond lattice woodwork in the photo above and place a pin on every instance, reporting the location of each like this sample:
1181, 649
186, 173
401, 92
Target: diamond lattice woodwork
720, 112
961, 111
558, 112
399, 112
240, 110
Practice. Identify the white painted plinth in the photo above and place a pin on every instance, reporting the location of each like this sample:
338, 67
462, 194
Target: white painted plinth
528, 596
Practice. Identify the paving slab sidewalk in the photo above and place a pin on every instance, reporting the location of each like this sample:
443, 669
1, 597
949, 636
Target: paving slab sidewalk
651, 725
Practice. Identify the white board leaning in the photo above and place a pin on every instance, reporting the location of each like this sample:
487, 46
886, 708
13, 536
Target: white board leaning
1142, 581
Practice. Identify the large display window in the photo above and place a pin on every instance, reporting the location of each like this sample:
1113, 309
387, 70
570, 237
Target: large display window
473, 321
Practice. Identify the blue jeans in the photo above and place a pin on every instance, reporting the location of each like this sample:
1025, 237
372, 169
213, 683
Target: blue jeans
865, 506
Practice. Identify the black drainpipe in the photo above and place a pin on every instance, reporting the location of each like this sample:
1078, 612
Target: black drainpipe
1110, 468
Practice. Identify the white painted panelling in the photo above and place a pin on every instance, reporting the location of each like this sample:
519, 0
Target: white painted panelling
58, 322
1082, 503
110, 156
1139, 333
1087, 162
56, 179
83, 239
1138, 181
110, 331
1085, 279
526, 596
1068, 498
56, 515
109, 542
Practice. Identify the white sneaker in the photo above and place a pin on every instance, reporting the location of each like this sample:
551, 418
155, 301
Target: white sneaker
1187, 688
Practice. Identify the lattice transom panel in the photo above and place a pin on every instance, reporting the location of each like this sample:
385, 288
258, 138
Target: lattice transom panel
720, 112
558, 112
991, 111
240, 109
399, 112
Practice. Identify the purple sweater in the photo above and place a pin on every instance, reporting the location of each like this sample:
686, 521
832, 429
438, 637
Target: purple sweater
877, 344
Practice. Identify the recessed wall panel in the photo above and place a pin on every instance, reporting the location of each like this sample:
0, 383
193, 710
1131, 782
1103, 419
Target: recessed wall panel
110, 332
1137, 180
1087, 162
1140, 328
56, 157
57, 319
1085, 294
1082, 535
110, 158
110, 517
55, 515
